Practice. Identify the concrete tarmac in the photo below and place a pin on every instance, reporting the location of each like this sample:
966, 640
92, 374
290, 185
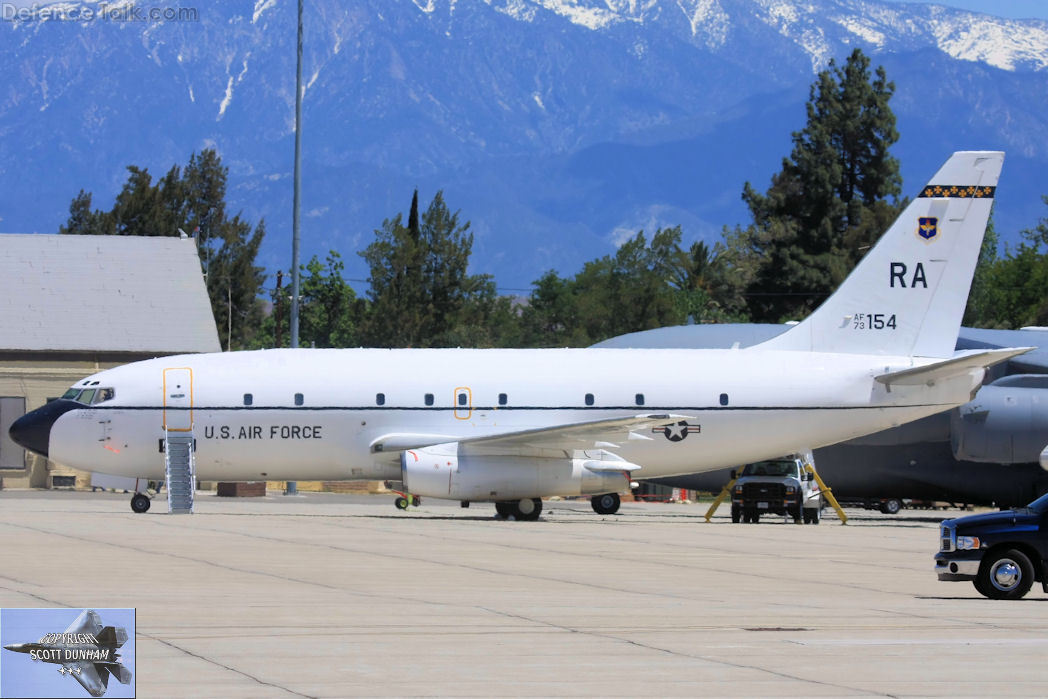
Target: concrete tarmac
324, 595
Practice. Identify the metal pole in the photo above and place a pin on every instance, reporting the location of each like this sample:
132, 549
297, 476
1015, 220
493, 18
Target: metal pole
292, 486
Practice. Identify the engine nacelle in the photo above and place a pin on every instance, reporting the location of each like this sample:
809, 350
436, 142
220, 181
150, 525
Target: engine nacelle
1006, 423
453, 472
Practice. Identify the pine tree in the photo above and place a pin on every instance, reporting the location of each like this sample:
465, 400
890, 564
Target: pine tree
421, 293
191, 200
830, 200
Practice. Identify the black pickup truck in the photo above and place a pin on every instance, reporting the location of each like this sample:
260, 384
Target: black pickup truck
1002, 553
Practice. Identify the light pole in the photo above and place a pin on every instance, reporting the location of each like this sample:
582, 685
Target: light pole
292, 486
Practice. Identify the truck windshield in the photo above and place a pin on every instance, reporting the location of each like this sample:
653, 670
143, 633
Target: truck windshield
778, 468
1040, 505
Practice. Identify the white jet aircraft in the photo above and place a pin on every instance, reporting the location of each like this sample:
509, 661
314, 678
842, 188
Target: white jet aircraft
513, 426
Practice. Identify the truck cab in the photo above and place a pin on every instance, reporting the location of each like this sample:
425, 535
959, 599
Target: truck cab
1002, 553
777, 486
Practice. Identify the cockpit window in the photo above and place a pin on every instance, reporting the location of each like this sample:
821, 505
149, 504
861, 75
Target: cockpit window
90, 396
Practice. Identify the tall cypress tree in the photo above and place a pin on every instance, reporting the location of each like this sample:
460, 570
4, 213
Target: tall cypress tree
832, 198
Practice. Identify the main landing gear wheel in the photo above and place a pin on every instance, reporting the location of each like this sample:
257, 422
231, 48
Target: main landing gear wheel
401, 503
527, 510
140, 503
504, 509
1005, 575
607, 504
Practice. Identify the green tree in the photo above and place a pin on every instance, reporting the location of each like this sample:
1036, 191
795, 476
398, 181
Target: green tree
192, 200
830, 201
421, 294
979, 311
330, 310
1013, 295
642, 286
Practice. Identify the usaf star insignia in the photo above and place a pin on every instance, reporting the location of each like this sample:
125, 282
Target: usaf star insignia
677, 431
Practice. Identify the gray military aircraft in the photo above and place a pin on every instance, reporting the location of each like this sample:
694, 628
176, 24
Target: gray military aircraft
991, 451
86, 651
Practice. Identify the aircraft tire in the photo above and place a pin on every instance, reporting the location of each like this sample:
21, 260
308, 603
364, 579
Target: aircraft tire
140, 503
504, 509
401, 503
607, 504
1006, 575
416, 500
736, 514
527, 510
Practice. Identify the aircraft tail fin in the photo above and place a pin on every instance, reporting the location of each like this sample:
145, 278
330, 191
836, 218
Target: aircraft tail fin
112, 636
907, 295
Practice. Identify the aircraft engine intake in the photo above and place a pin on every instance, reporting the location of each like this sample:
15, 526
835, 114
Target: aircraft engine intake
455, 472
1006, 423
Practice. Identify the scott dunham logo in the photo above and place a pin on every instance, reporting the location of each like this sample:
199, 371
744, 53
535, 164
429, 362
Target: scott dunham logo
87, 651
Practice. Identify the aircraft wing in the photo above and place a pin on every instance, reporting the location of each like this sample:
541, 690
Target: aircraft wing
88, 675
87, 622
567, 437
949, 367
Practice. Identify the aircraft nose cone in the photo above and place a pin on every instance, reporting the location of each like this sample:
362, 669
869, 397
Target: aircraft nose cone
33, 430
16, 647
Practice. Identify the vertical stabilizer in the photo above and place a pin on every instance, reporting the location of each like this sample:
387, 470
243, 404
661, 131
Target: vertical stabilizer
907, 295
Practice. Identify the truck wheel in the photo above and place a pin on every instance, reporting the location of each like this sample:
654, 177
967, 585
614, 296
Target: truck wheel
891, 506
1006, 575
816, 515
755, 517
736, 514
796, 514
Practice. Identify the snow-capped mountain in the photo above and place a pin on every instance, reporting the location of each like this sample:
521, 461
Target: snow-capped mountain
557, 126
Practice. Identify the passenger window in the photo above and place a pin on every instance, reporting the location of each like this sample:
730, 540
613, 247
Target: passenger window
429, 399
380, 399
299, 399
589, 399
503, 399
639, 398
724, 399
87, 396
248, 399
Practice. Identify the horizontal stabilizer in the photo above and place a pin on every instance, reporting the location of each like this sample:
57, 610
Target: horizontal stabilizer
949, 368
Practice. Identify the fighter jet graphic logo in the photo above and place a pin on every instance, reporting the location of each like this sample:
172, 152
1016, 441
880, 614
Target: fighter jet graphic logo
677, 431
87, 651
928, 229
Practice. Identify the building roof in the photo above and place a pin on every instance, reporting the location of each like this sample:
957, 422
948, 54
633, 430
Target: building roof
103, 293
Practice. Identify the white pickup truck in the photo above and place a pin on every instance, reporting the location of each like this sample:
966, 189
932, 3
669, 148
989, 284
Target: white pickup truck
777, 486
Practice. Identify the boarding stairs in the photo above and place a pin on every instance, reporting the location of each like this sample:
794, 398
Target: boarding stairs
180, 471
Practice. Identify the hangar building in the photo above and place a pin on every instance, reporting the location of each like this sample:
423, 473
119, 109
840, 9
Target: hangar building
72, 305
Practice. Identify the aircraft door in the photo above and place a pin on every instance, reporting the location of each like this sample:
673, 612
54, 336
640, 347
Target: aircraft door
463, 403
178, 399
